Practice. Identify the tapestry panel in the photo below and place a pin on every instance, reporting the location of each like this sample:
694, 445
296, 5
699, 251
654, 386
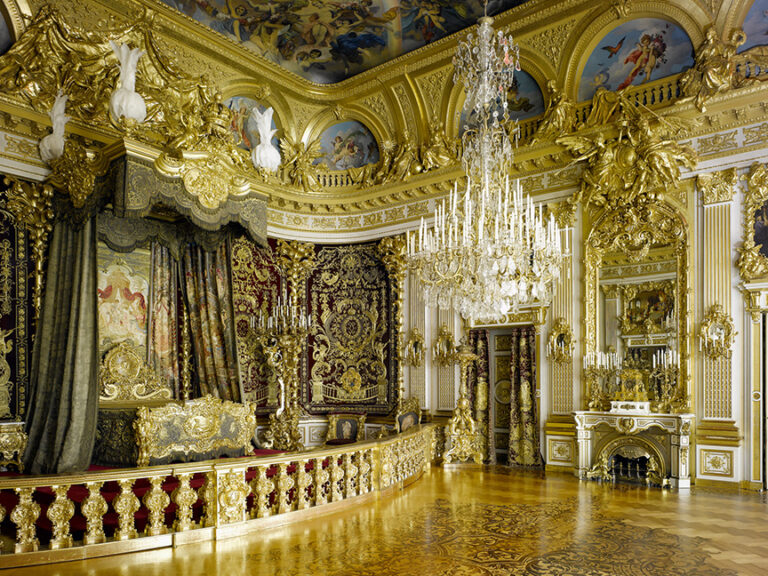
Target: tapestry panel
350, 360
255, 286
16, 315
123, 295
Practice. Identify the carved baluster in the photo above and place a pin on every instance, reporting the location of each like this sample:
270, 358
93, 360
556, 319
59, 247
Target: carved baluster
262, 487
337, 475
126, 505
94, 507
233, 492
184, 497
321, 480
364, 477
385, 475
350, 476
208, 495
24, 515
284, 485
60, 512
303, 482
156, 501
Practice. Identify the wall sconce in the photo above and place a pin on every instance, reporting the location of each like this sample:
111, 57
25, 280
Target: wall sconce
716, 333
560, 343
413, 351
444, 347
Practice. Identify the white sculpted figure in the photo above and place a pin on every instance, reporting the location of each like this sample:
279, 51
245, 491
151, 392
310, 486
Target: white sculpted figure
52, 146
125, 100
265, 155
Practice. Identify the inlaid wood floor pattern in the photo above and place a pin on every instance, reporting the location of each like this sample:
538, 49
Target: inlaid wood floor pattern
488, 522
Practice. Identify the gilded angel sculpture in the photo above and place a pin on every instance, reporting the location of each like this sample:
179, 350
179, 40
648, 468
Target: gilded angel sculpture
265, 155
125, 101
52, 146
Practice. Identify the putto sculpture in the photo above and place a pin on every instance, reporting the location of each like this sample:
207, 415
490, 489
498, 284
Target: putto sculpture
52, 146
265, 155
125, 101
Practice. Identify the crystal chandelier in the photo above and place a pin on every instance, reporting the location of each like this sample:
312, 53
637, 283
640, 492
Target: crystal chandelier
489, 250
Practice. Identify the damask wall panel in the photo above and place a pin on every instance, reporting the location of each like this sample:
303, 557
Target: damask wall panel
351, 359
255, 286
15, 315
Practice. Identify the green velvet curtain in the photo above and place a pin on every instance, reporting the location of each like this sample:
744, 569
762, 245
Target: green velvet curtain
524, 422
64, 388
208, 285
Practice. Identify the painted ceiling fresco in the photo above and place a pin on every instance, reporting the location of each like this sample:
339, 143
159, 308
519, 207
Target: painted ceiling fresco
756, 25
348, 144
635, 52
244, 125
326, 41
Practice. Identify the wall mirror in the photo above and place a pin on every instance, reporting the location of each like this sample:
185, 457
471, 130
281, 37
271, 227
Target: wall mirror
636, 313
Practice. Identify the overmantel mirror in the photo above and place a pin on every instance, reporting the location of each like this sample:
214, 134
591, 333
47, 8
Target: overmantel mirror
636, 309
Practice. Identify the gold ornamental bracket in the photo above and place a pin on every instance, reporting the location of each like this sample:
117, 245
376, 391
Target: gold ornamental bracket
443, 348
716, 333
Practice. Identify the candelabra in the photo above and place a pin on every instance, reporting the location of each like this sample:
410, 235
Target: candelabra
462, 428
664, 376
281, 335
601, 370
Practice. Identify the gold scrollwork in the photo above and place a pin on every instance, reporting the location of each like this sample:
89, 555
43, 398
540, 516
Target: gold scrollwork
716, 333
752, 263
443, 348
75, 172
123, 376
560, 343
198, 426
32, 205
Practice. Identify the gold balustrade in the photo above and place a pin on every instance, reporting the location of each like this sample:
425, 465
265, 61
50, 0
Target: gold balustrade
66, 517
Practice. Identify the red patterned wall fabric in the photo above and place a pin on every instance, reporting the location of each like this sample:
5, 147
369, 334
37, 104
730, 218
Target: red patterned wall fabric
16, 315
255, 285
351, 360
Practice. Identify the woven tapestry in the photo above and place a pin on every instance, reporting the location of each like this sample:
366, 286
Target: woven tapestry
255, 286
351, 361
16, 315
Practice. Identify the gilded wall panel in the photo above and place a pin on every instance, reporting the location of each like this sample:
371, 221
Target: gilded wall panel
15, 314
351, 347
255, 287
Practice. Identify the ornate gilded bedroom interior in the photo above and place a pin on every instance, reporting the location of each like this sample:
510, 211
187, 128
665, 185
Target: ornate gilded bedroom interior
383, 287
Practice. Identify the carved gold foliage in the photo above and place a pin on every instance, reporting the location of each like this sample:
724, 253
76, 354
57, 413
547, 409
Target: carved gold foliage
634, 166
405, 104
296, 260
756, 134
303, 112
752, 264
717, 333
284, 485
377, 104
31, 205
717, 187
24, 515
126, 504
432, 86
194, 426
551, 41
564, 212
60, 513
76, 171
124, 376
184, 497
232, 492
94, 507
156, 501
262, 487
717, 143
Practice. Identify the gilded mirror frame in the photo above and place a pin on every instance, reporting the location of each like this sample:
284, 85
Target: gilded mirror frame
633, 230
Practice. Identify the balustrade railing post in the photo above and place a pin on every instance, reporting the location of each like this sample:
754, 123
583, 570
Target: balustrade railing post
184, 497
60, 512
156, 501
126, 505
94, 507
322, 477
24, 515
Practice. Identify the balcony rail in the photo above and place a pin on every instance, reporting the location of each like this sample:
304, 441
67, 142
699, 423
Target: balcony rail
98, 513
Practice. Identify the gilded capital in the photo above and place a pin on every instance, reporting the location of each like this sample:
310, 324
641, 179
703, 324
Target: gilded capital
296, 260
392, 253
717, 187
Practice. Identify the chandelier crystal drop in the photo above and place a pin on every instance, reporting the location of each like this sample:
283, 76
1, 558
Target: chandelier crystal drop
489, 250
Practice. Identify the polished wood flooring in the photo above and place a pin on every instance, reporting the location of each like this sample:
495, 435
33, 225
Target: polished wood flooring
487, 521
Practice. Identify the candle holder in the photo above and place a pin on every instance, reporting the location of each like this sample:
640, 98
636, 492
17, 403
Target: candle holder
601, 370
281, 335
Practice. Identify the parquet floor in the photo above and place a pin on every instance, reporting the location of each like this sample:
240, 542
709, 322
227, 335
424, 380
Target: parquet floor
487, 521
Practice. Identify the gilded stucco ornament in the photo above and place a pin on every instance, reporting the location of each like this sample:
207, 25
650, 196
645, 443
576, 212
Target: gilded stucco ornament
124, 376
714, 68
717, 333
298, 163
438, 152
393, 254
75, 172
717, 187
633, 167
559, 117
752, 263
